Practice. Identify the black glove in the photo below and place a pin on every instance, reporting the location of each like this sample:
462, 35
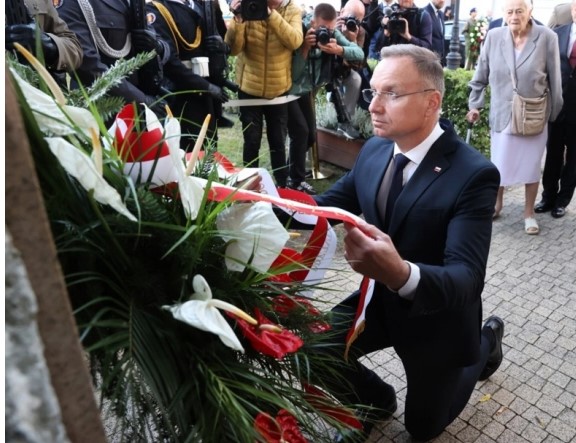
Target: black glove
144, 40
218, 93
26, 36
215, 43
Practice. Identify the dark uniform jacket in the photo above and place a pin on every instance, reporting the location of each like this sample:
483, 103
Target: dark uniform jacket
113, 21
183, 31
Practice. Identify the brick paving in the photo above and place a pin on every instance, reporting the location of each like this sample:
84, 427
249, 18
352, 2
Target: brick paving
531, 284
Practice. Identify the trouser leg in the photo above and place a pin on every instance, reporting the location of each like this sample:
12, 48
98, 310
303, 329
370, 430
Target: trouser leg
298, 132
251, 118
276, 130
553, 163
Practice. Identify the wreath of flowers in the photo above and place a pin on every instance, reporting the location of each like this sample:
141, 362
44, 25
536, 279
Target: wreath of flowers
477, 34
186, 300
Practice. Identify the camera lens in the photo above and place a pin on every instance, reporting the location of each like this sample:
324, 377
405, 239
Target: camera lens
323, 35
351, 24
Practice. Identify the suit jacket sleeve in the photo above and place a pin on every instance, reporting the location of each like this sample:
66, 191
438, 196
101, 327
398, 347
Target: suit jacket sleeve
424, 37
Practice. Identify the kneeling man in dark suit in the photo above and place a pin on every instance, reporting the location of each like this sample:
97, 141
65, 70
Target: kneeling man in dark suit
422, 251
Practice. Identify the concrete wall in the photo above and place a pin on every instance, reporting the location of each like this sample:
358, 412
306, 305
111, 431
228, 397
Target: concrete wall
32, 411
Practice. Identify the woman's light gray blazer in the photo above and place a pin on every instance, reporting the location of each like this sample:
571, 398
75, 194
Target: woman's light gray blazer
537, 69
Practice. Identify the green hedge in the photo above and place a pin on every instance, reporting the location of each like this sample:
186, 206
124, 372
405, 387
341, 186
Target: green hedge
456, 106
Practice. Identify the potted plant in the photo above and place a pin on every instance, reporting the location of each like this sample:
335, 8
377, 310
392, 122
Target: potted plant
333, 146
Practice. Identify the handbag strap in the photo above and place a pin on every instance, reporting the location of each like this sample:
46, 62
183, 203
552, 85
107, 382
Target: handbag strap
515, 89
513, 77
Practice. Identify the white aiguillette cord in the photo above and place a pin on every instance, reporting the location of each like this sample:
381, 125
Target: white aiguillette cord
99, 39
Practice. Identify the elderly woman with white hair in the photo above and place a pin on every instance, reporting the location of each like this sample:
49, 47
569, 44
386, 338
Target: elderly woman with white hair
522, 56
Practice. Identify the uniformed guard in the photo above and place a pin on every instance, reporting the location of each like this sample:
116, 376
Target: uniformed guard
107, 33
61, 49
187, 72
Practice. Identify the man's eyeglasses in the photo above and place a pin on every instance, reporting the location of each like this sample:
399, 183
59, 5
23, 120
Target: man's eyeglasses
387, 96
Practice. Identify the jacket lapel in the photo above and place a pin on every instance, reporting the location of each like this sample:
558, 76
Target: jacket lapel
507, 49
374, 186
432, 167
529, 48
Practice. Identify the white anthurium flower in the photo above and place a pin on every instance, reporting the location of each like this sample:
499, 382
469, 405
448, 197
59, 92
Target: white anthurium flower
80, 166
252, 231
53, 118
202, 313
152, 120
191, 188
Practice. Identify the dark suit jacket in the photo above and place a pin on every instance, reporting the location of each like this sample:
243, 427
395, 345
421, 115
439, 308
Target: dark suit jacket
437, 30
567, 72
442, 222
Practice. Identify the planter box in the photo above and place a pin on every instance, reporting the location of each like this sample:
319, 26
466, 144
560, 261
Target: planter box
335, 149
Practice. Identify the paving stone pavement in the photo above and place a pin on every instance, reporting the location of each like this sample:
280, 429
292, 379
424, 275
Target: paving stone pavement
531, 285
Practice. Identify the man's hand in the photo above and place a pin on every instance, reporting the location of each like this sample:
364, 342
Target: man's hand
144, 40
370, 252
406, 34
332, 48
26, 36
351, 36
309, 40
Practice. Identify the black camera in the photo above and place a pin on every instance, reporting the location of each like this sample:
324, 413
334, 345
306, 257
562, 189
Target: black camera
323, 35
395, 14
351, 23
254, 9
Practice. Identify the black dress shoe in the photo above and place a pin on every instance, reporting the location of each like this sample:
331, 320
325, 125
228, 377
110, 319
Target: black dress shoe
559, 212
496, 355
381, 409
543, 206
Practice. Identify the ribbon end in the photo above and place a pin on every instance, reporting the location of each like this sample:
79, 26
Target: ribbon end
352, 338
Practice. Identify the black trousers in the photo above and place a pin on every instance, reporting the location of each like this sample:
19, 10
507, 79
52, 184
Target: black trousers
192, 109
302, 133
559, 177
435, 394
252, 118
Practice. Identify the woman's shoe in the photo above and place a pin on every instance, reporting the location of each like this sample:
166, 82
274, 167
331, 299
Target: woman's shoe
531, 226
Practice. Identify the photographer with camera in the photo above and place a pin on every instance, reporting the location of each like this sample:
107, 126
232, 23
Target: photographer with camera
312, 68
263, 35
61, 49
404, 23
347, 79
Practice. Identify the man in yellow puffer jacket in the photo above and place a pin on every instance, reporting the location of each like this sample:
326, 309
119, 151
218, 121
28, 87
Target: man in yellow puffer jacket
263, 70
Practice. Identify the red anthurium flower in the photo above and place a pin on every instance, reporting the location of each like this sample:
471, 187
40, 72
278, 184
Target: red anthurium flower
268, 338
319, 400
134, 141
283, 429
287, 260
284, 305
